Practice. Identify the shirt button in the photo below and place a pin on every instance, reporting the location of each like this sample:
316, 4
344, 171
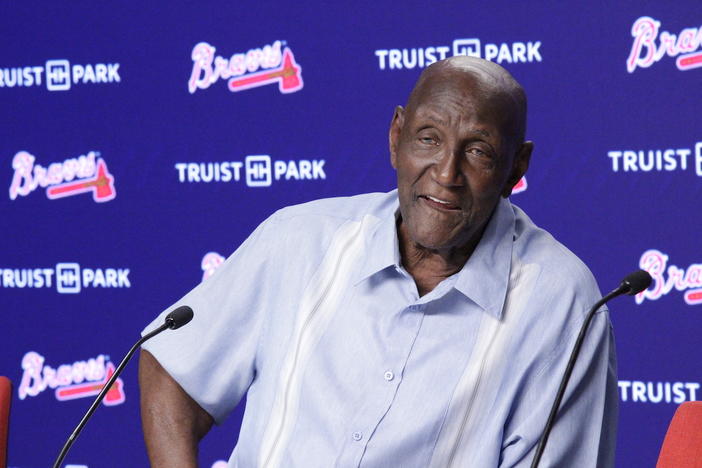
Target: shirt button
389, 376
357, 436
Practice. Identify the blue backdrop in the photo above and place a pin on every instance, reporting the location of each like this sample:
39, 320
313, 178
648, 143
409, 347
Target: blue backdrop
140, 144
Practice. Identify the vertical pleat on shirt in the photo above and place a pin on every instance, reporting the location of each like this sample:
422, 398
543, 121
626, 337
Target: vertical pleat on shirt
457, 444
319, 303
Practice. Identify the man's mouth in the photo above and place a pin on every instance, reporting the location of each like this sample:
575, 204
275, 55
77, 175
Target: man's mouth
439, 203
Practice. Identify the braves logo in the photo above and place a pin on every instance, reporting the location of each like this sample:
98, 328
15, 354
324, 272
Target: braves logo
287, 76
210, 262
645, 52
688, 280
71, 381
90, 171
114, 396
520, 186
242, 70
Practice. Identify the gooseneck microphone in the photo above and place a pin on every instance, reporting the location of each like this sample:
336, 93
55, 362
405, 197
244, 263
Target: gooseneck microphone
176, 319
632, 284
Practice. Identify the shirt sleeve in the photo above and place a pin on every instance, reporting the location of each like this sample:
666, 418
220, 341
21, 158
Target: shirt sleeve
584, 434
213, 358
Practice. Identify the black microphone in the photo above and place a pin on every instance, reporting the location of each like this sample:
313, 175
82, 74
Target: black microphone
632, 284
176, 319
636, 282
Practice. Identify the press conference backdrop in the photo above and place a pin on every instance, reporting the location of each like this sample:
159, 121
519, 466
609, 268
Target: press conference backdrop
140, 145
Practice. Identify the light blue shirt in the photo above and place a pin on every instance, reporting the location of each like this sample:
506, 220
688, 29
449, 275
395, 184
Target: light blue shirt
315, 320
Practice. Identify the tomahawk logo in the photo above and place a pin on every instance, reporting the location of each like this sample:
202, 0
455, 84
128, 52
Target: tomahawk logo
270, 64
645, 51
70, 381
84, 174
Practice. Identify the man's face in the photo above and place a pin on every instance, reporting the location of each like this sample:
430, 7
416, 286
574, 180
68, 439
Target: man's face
454, 159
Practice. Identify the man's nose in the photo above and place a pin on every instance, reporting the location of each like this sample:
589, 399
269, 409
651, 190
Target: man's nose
447, 169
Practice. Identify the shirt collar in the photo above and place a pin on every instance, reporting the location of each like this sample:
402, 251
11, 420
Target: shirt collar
382, 247
485, 276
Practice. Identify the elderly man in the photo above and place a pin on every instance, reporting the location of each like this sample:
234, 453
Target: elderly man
425, 327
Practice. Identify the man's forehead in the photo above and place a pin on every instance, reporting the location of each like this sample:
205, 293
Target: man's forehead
459, 88
458, 95
475, 120
476, 79
475, 84
486, 71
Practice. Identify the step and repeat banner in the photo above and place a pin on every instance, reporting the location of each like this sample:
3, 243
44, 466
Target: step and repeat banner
141, 144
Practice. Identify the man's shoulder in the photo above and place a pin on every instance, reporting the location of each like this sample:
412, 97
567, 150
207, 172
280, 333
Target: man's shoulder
304, 232
559, 266
339, 209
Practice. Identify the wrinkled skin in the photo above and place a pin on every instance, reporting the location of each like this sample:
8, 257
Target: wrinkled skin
457, 148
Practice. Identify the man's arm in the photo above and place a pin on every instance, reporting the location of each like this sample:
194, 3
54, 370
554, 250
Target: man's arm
585, 431
173, 422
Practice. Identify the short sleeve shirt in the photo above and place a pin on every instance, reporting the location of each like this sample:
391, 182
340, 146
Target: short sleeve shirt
343, 364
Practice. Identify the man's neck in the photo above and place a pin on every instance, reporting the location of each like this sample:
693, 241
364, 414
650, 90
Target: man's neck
429, 267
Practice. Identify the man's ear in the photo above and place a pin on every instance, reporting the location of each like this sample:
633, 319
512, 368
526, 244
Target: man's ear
519, 167
398, 120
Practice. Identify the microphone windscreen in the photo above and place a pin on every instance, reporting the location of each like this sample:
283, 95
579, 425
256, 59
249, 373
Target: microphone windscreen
636, 282
179, 317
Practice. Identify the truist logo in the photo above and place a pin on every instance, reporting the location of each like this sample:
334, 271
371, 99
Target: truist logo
70, 381
85, 174
651, 45
637, 391
59, 75
258, 170
658, 160
666, 278
420, 57
274, 63
69, 278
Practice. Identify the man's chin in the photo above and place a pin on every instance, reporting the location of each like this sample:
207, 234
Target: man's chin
434, 241
438, 240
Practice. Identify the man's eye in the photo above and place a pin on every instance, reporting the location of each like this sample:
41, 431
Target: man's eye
477, 152
428, 140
